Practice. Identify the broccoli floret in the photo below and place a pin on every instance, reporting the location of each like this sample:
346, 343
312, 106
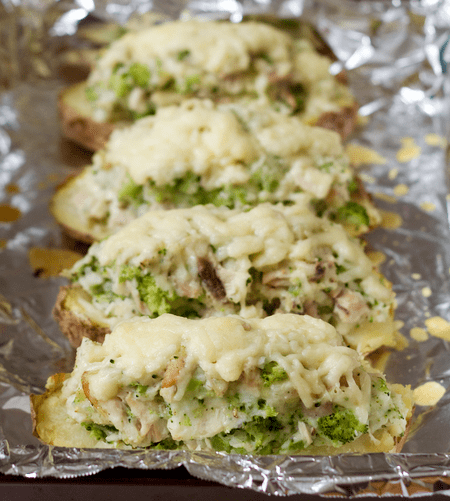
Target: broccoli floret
157, 300
381, 386
268, 176
140, 74
140, 388
89, 267
341, 426
183, 54
99, 431
168, 444
272, 372
160, 301
184, 191
131, 193
353, 213
265, 436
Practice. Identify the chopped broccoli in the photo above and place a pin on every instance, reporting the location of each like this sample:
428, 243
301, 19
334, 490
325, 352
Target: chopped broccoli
381, 386
168, 444
140, 388
103, 291
157, 299
120, 84
353, 213
319, 206
341, 426
91, 94
183, 54
268, 176
140, 74
99, 431
131, 193
272, 372
160, 301
190, 84
85, 269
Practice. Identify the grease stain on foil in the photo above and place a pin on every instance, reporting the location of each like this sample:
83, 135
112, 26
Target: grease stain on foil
9, 214
47, 262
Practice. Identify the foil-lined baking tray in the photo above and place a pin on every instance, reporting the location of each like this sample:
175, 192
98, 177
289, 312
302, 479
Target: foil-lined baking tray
396, 55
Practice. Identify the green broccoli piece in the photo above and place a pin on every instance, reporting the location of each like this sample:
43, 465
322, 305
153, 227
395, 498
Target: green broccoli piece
157, 300
353, 213
272, 372
140, 388
99, 431
160, 301
140, 74
91, 94
131, 193
268, 176
183, 54
341, 426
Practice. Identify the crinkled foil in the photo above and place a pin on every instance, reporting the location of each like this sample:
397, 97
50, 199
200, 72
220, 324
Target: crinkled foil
396, 55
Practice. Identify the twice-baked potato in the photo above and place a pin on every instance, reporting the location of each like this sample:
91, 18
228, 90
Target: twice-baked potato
285, 384
200, 152
248, 62
208, 260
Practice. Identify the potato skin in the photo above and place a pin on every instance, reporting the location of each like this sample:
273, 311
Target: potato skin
65, 213
76, 122
76, 326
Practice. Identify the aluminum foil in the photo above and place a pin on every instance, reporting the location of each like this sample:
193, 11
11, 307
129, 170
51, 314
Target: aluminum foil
396, 55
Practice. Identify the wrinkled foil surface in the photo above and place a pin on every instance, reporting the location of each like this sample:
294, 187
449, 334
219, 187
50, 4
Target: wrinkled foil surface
396, 55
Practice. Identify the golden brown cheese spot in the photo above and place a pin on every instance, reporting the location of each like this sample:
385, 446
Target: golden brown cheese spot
393, 173
401, 190
428, 394
9, 214
360, 155
438, 327
436, 140
418, 334
391, 220
428, 206
377, 257
408, 151
385, 197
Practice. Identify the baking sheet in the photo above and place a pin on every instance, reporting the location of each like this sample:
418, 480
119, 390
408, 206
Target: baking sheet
396, 56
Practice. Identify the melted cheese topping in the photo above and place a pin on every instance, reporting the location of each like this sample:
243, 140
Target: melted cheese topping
308, 349
212, 142
215, 47
272, 234
243, 59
